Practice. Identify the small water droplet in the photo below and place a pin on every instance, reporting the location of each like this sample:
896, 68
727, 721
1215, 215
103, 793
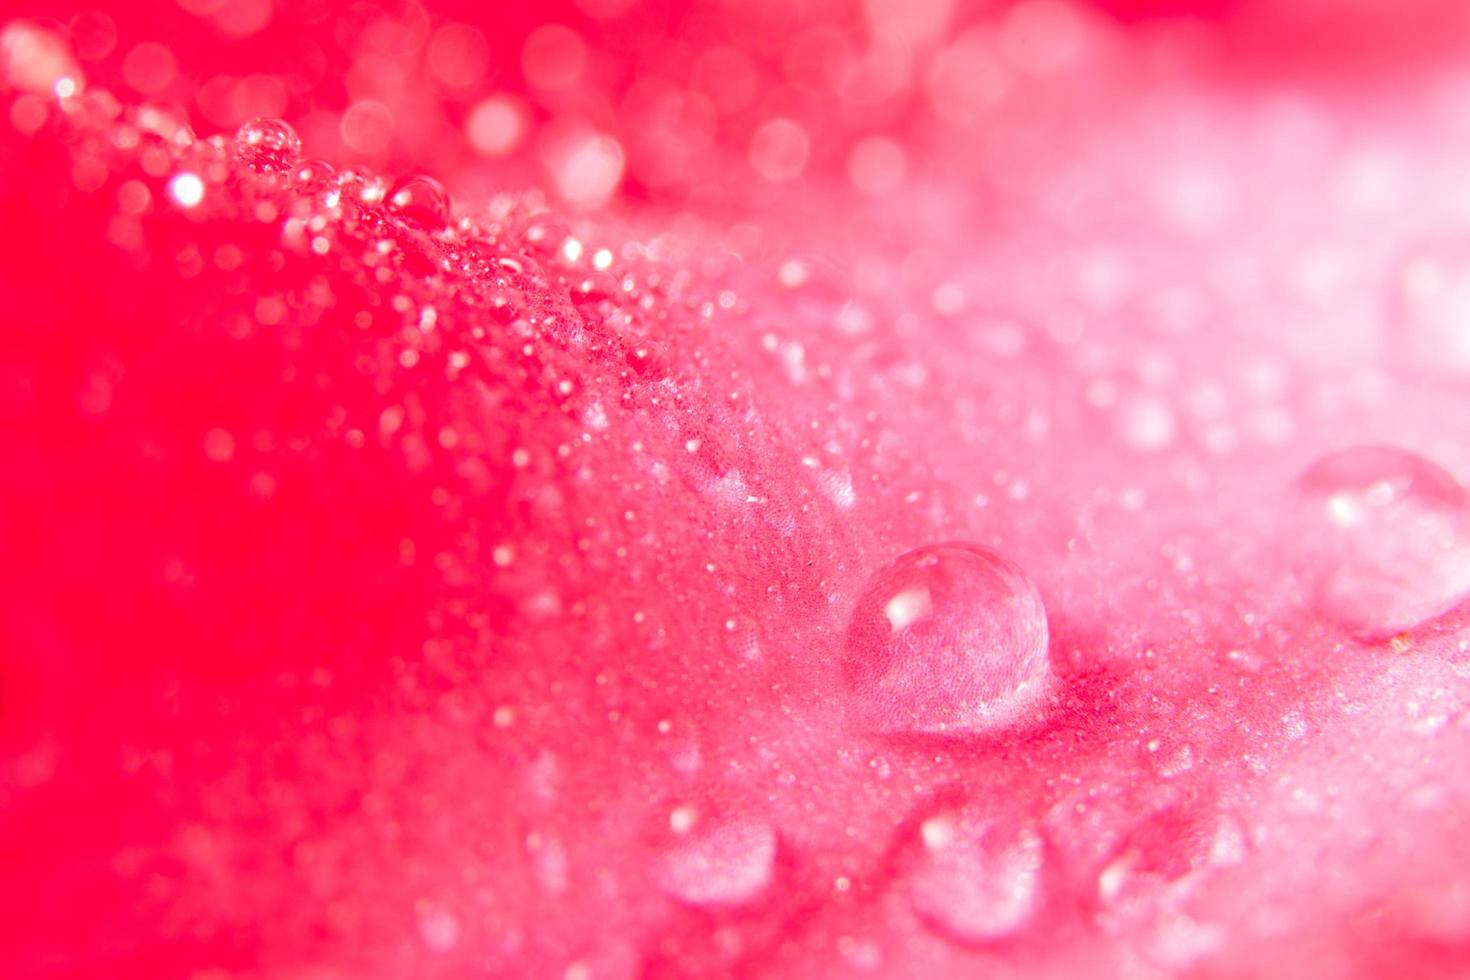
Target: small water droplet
422, 200
949, 639
314, 176
718, 864
267, 146
976, 880
1386, 542
1158, 851
358, 186
596, 287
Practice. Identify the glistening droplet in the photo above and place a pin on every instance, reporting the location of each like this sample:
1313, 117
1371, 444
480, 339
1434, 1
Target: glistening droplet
950, 639
314, 176
1386, 539
422, 200
1162, 850
267, 146
975, 880
717, 863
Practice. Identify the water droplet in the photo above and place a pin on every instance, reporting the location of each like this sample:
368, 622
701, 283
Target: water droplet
976, 880
358, 186
1430, 309
1386, 542
421, 199
1161, 849
597, 287
949, 639
314, 176
718, 864
267, 146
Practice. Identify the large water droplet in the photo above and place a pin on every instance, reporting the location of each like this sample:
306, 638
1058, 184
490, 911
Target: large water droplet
267, 146
421, 199
949, 639
1430, 308
1387, 541
976, 880
717, 864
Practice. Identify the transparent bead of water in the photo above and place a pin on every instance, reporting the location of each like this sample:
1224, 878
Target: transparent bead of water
975, 880
422, 200
314, 176
717, 863
950, 639
1165, 850
267, 146
1385, 540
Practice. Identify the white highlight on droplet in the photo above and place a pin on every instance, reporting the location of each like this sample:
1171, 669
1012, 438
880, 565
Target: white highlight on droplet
908, 607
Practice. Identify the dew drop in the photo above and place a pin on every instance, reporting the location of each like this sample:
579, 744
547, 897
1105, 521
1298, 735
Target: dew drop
596, 287
949, 639
1160, 850
422, 200
314, 176
976, 881
267, 146
720, 864
1386, 540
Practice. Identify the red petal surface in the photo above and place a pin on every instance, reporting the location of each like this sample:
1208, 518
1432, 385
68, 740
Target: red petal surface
614, 490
